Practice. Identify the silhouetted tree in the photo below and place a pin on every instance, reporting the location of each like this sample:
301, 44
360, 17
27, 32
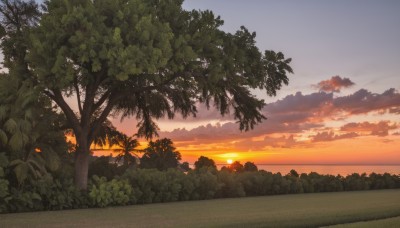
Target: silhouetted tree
160, 155
204, 162
127, 149
185, 166
293, 173
250, 167
236, 166
107, 135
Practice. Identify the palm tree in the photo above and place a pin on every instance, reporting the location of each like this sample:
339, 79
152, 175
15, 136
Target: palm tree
127, 148
107, 134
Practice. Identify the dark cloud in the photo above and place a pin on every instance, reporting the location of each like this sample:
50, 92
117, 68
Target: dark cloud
334, 84
299, 103
364, 101
380, 129
330, 136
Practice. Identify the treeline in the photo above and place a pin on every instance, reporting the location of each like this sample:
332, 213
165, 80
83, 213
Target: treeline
141, 186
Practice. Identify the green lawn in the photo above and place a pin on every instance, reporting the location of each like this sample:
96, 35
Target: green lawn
387, 223
303, 210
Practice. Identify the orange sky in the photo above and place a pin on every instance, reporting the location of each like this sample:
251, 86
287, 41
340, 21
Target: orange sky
318, 127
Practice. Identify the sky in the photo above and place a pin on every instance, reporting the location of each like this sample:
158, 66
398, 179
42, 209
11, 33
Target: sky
342, 105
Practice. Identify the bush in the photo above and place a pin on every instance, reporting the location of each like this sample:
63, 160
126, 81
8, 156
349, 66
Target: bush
4, 184
46, 194
205, 183
230, 186
154, 186
103, 193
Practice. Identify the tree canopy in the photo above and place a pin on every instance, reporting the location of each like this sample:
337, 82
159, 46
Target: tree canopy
204, 162
143, 58
161, 155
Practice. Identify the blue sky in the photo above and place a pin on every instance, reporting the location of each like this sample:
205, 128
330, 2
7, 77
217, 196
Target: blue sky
359, 40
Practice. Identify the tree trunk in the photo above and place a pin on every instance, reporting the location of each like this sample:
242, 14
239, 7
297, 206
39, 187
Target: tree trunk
82, 164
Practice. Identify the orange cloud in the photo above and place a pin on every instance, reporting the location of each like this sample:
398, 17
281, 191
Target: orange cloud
380, 129
334, 84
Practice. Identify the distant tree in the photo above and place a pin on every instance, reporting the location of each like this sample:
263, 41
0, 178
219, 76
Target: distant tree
185, 166
140, 58
160, 155
127, 149
236, 166
226, 169
293, 173
204, 162
250, 167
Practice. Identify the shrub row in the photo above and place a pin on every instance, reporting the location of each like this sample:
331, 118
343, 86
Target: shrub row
141, 186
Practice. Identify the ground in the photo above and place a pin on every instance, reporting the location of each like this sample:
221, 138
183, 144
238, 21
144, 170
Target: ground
302, 210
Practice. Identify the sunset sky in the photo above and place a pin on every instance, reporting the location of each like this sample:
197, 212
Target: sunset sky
343, 102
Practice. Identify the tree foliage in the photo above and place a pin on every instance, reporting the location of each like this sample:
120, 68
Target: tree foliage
161, 155
127, 151
204, 162
250, 167
236, 166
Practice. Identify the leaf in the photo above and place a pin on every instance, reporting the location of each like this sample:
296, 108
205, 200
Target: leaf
3, 112
52, 160
21, 172
36, 196
11, 126
3, 137
38, 164
3, 160
17, 141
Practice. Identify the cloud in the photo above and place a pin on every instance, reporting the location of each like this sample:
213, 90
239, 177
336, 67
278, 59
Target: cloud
294, 115
331, 136
267, 142
363, 101
379, 129
334, 84
395, 110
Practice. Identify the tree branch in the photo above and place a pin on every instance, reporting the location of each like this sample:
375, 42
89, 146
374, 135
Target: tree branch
101, 101
57, 97
95, 126
78, 94
147, 88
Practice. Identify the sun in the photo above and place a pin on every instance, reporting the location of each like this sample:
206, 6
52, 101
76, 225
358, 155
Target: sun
229, 161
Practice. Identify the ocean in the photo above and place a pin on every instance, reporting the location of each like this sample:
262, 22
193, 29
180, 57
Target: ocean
331, 169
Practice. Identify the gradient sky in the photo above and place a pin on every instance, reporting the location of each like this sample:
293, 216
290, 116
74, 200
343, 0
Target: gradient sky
342, 105
339, 107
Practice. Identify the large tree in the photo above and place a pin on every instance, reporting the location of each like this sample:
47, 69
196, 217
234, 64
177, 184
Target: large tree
147, 59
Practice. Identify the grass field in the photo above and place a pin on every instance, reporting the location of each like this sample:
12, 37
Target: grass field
386, 223
303, 210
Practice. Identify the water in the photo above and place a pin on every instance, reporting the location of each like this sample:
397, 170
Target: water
332, 169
